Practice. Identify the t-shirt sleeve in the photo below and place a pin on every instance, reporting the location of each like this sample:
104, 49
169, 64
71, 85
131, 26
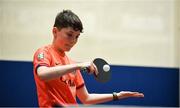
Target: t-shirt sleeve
41, 58
79, 81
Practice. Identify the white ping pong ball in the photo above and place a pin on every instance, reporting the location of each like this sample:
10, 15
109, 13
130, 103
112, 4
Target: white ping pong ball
106, 68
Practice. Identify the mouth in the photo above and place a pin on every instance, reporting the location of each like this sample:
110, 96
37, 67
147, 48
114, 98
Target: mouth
69, 46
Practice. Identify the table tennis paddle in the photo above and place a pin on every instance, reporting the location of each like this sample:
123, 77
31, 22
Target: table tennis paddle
103, 69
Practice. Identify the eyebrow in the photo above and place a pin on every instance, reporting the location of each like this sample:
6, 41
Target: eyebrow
73, 32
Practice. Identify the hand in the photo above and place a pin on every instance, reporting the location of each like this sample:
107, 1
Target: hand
90, 67
126, 94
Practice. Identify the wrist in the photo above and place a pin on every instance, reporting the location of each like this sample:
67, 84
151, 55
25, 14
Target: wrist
115, 96
78, 65
83, 65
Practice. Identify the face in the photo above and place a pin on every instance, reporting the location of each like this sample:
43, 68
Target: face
65, 38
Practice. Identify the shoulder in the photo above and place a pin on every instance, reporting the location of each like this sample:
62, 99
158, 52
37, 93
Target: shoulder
44, 50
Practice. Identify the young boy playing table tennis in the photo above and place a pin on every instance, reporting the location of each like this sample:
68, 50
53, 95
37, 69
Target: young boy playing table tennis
58, 78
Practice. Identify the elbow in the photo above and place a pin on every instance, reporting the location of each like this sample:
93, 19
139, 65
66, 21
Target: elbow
86, 101
83, 100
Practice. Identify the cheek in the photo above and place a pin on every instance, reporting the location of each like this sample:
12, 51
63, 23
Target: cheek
59, 41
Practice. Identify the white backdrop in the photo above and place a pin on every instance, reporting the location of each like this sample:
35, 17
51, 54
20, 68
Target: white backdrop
124, 32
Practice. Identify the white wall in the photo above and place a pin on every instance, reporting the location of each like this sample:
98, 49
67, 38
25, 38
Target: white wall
177, 32
126, 32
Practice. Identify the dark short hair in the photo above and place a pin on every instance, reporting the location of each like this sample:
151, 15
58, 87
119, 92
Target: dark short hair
67, 18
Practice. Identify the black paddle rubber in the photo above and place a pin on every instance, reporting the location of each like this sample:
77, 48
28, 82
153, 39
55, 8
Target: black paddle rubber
102, 76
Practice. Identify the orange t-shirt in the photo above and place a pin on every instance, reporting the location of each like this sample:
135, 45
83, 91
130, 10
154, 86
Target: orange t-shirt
60, 91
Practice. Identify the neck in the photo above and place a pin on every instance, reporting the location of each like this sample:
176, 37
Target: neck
57, 48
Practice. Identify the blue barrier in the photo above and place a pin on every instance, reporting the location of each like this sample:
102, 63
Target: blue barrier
159, 85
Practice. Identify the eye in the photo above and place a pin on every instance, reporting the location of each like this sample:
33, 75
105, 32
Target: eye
77, 37
69, 35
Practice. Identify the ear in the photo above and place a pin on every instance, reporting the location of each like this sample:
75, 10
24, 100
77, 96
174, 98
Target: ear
54, 31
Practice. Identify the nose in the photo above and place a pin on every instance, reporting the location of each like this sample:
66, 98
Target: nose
73, 41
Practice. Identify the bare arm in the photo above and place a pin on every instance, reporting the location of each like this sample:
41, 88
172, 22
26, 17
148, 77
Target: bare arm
87, 98
47, 73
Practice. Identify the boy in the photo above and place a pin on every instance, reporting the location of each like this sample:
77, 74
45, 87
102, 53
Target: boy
58, 78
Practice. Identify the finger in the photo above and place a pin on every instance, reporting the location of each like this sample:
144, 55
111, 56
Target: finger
91, 69
139, 95
95, 69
